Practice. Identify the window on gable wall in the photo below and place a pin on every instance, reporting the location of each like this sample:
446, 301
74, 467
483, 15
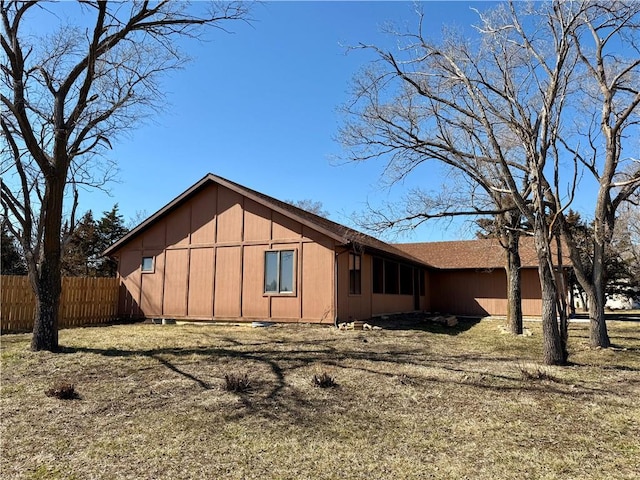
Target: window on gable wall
279, 271
147, 264
355, 274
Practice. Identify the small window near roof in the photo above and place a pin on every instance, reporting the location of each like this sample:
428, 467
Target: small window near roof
147, 264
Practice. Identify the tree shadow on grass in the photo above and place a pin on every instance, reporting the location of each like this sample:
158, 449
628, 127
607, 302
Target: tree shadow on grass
275, 396
277, 365
424, 323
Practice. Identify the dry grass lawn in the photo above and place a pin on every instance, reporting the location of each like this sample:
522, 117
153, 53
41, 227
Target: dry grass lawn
410, 403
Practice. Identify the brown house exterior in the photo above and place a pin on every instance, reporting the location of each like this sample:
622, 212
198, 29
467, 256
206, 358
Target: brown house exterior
221, 251
469, 278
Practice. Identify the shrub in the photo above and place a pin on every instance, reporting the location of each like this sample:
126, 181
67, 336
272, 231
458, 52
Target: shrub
324, 380
237, 383
63, 391
536, 373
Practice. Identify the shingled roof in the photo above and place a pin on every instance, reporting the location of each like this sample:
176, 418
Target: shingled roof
343, 235
470, 254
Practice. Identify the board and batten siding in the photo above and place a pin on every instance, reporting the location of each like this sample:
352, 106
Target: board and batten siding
482, 292
209, 263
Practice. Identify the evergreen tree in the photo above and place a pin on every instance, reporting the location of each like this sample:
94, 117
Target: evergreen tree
83, 251
620, 274
12, 259
110, 228
79, 259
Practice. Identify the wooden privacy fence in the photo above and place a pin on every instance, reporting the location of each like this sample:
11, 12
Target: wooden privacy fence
84, 301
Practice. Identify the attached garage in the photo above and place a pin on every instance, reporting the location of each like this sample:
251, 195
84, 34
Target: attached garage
468, 277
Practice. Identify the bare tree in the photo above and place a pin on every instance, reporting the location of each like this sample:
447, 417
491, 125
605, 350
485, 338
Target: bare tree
462, 198
489, 109
608, 46
312, 206
66, 95
505, 110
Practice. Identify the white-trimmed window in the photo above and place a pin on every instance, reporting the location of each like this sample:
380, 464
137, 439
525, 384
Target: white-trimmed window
147, 264
279, 271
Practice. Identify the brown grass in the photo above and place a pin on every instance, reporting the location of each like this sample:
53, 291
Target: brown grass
411, 403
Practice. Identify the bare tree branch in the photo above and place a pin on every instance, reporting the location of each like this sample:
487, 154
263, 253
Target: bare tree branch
66, 96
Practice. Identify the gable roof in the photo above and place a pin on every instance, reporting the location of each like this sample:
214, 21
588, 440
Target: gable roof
343, 235
471, 254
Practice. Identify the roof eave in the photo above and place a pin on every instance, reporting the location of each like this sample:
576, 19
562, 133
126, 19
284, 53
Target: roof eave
109, 251
210, 178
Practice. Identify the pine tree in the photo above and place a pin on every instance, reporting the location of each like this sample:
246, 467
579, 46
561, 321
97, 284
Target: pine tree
79, 259
110, 228
12, 262
90, 237
619, 272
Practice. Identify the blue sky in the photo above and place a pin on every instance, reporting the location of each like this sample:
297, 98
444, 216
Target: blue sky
259, 107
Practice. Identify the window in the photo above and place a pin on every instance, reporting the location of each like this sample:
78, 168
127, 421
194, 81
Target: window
147, 264
391, 279
279, 271
406, 280
378, 275
355, 274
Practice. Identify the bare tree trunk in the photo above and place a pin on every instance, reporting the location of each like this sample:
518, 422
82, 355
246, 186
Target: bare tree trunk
562, 297
599, 337
45, 327
572, 302
563, 320
514, 294
584, 300
553, 352
49, 279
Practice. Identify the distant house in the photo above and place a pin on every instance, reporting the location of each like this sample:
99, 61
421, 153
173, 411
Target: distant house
221, 251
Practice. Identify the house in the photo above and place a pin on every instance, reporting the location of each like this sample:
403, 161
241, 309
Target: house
221, 251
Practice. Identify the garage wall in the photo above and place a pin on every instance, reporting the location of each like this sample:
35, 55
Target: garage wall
481, 292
